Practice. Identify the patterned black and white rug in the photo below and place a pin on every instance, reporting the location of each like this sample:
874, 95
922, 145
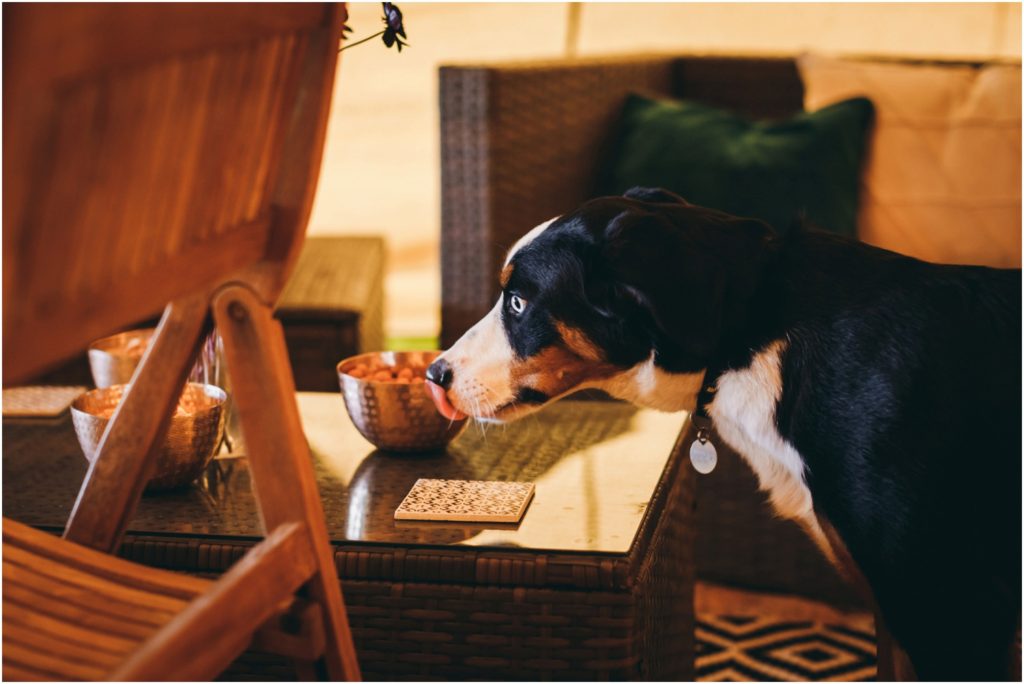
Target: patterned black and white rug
749, 648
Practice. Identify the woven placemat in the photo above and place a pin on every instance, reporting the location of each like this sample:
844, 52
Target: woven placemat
38, 401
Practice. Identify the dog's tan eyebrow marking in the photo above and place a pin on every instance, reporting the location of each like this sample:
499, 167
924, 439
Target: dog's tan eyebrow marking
578, 342
506, 273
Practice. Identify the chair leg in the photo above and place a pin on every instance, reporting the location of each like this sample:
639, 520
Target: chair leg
128, 449
264, 395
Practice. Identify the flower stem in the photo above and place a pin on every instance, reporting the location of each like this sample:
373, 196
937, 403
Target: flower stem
358, 42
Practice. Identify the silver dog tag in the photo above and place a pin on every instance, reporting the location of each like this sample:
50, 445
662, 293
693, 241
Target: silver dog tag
703, 456
702, 452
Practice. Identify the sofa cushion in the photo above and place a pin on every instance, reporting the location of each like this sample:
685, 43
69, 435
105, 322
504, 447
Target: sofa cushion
942, 181
771, 170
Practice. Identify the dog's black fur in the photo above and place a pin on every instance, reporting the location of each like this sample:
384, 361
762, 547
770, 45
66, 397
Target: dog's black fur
901, 389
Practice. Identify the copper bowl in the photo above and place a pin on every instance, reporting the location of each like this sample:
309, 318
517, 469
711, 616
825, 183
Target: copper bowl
194, 435
113, 359
395, 416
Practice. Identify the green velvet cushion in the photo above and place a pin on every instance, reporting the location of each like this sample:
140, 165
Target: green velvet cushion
771, 170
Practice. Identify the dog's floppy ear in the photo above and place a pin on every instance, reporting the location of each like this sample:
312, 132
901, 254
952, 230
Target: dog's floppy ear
649, 263
693, 275
654, 195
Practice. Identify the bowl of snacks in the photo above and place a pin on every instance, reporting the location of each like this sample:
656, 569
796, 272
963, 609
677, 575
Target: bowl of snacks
113, 359
386, 397
196, 430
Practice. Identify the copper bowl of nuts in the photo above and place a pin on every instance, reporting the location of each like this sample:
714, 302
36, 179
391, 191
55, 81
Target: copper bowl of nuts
387, 400
196, 430
113, 359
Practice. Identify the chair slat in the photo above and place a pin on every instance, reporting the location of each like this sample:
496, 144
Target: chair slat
103, 153
36, 341
87, 608
124, 572
87, 655
48, 661
28, 619
24, 563
18, 672
77, 44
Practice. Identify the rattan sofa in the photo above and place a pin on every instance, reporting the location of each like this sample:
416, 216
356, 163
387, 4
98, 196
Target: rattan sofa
521, 143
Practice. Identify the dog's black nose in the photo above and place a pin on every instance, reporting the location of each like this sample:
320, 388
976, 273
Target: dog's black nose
440, 373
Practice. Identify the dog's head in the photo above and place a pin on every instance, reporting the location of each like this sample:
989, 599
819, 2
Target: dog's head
626, 294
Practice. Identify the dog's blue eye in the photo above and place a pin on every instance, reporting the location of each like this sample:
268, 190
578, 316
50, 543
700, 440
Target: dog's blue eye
517, 304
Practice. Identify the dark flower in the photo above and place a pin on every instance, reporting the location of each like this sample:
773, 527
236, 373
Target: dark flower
395, 32
392, 35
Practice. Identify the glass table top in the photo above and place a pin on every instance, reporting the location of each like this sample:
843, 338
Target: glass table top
595, 464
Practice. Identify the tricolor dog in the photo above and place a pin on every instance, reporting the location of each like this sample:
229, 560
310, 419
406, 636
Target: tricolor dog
877, 397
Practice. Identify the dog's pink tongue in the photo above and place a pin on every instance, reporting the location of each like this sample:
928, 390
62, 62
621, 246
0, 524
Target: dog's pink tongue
440, 399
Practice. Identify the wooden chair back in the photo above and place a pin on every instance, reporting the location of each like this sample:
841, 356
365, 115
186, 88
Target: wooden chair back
165, 156
151, 151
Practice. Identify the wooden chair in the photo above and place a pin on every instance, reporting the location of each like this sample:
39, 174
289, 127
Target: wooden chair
164, 157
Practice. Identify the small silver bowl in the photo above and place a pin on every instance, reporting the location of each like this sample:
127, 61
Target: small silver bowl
194, 435
113, 359
395, 415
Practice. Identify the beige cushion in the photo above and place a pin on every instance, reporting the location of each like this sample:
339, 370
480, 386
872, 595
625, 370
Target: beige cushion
942, 179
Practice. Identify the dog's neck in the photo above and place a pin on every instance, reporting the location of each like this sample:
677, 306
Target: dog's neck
649, 386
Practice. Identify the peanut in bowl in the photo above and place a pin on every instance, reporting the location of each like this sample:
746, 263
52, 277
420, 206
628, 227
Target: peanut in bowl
386, 398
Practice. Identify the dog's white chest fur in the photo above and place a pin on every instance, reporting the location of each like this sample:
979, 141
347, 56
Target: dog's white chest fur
743, 411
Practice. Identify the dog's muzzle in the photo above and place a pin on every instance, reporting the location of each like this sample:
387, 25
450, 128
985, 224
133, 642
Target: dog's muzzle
439, 379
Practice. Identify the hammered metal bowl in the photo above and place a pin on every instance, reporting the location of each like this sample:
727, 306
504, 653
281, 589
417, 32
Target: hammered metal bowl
113, 359
395, 416
194, 435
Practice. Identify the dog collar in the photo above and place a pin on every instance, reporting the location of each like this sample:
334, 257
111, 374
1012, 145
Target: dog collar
703, 455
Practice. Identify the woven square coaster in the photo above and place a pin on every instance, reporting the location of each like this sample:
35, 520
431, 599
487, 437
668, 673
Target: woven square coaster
38, 401
466, 501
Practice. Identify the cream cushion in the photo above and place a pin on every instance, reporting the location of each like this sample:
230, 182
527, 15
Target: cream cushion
942, 178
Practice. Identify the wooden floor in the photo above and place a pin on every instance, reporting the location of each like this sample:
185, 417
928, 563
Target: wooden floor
723, 600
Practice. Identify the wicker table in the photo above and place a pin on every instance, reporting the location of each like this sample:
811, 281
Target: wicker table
596, 582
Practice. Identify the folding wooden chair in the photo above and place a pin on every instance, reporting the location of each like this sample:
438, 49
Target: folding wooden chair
154, 154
